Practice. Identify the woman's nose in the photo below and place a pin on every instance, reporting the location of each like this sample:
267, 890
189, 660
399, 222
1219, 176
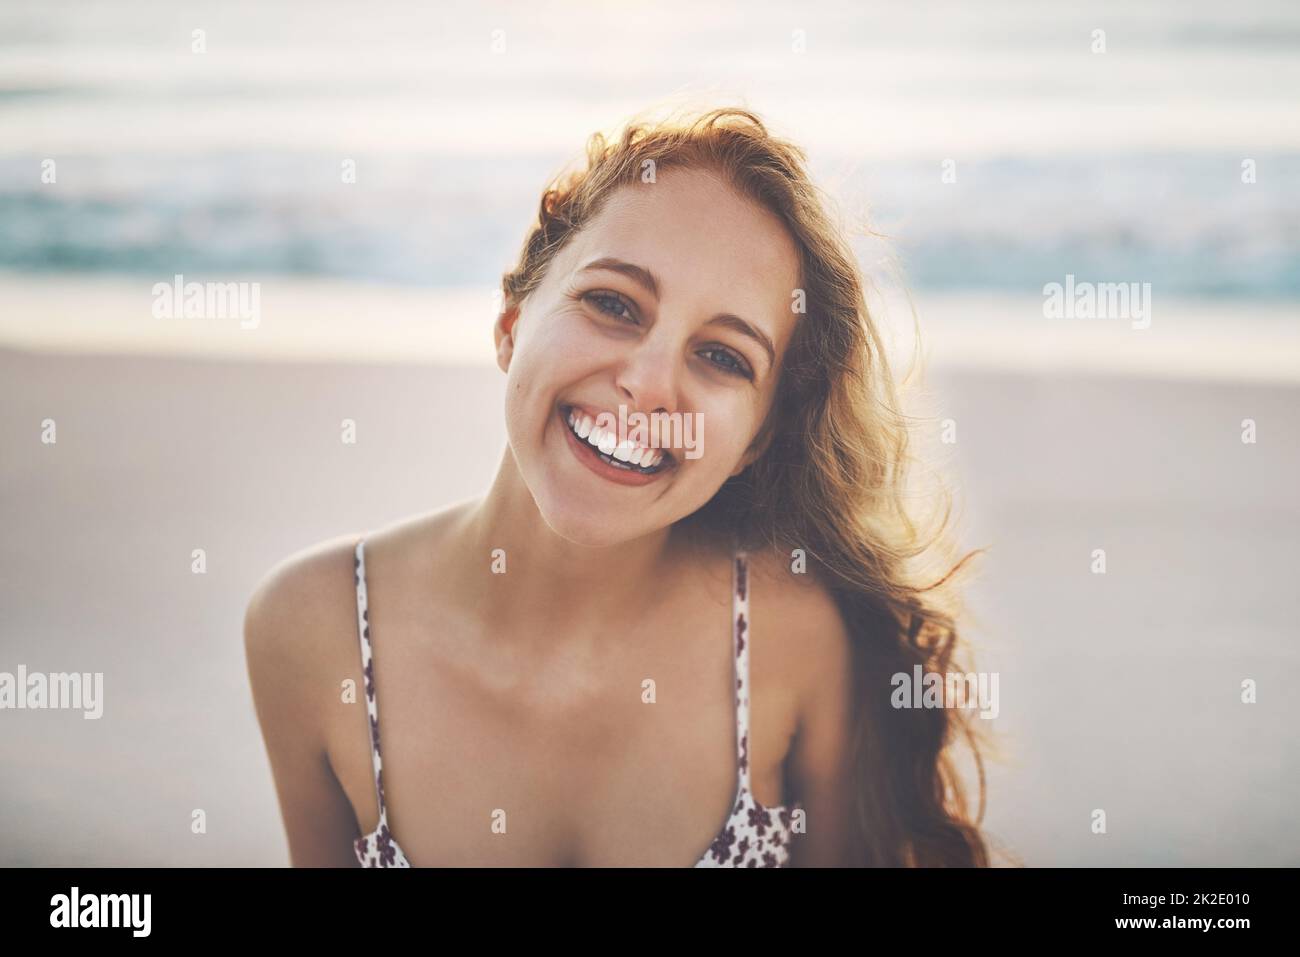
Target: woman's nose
647, 379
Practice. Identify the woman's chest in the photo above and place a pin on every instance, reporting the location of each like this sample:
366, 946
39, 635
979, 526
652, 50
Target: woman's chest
615, 752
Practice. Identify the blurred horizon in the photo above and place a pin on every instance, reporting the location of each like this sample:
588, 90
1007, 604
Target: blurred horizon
1115, 166
973, 156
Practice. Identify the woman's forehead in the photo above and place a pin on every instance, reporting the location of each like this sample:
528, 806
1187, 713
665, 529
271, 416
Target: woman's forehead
692, 229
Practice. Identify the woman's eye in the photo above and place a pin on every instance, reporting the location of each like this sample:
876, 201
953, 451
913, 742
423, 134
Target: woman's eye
728, 361
609, 304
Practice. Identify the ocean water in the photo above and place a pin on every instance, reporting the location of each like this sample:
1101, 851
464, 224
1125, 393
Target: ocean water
1184, 223
1125, 165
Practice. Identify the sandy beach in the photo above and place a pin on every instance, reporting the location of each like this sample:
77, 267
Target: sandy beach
1118, 691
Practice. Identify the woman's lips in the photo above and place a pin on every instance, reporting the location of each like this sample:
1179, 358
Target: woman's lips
590, 457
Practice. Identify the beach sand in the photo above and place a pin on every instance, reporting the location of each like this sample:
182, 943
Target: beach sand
1117, 691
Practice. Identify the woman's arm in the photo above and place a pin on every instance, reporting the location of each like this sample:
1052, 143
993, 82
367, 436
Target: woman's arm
285, 650
821, 761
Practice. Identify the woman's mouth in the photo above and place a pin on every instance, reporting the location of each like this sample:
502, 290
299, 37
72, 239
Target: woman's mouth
600, 449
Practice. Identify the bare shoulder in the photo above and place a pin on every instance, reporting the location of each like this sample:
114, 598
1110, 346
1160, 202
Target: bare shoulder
302, 592
295, 624
816, 648
410, 547
309, 598
299, 637
799, 606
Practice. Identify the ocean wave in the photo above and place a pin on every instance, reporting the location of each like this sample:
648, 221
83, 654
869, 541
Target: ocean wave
1187, 223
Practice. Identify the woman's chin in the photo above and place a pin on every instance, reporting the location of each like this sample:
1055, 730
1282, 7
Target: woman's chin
582, 526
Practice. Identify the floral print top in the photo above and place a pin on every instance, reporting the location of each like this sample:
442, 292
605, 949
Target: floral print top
753, 836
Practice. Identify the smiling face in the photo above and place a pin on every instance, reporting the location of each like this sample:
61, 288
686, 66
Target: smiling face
675, 298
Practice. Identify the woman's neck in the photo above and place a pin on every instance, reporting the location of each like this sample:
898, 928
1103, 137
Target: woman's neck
532, 585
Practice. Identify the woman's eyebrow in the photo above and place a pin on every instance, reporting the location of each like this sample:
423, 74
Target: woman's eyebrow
745, 329
638, 274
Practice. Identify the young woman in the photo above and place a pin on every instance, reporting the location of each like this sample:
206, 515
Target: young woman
627, 651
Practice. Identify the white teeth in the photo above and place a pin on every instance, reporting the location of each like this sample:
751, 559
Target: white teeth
606, 440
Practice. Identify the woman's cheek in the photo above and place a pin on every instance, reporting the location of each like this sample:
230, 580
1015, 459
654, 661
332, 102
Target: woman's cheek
722, 438
560, 342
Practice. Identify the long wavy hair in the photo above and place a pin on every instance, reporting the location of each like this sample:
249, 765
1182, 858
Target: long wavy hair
832, 479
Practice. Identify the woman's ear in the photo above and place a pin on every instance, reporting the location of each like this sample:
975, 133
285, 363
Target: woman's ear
503, 331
